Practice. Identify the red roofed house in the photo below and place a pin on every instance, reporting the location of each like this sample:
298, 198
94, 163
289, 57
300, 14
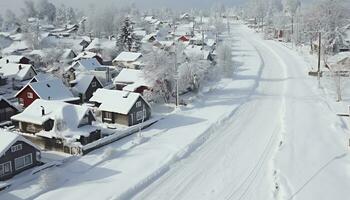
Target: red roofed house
52, 89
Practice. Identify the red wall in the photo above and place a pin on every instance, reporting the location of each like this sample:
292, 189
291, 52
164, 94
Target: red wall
23, 95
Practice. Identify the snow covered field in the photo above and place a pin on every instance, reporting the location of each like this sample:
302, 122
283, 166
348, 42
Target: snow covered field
267, 133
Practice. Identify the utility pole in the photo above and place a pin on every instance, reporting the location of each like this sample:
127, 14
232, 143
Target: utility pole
176, 78
319, 56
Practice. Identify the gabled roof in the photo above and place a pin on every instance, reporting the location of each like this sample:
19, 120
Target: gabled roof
8, 102
95, 44
132, 77
127, 57
83, 82
7, 139
116, 101
52, 89
17, 71
66, 116
85, 64
11, 59
42, 77
85, 55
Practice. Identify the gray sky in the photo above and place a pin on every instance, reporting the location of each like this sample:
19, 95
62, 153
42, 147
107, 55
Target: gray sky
178, 4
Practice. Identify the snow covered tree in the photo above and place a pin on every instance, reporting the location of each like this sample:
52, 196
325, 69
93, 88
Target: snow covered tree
126, 40
29, 9
46, 10
71, 16
61, 16
10, 21
160, 73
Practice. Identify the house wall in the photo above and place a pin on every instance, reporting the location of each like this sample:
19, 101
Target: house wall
10, 156
131, 118
133, 112
90, 91
23, 94
30, 74
6, 111
34, 128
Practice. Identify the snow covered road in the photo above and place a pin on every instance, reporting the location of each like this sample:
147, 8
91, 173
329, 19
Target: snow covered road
235, 163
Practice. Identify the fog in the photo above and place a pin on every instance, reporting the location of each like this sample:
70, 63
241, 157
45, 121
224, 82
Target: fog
147, 4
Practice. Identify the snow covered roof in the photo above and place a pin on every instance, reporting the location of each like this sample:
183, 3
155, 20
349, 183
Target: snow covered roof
95, 44
342, 58
7, 139
11, 59
17, 71
85, 55
140, 33
52, 89
85, 64
132, 77
127, 57
148, 37
115, 100
16, 46
66, 116
42, 77
67, 53
83, 82
2, 98
194, 51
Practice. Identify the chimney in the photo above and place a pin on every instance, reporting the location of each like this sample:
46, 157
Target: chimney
7, 61
126, 95
19, 67
42, 111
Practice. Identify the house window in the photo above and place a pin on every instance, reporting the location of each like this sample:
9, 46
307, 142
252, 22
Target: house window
21, 101
138, 104
93, 84
5, 168
29, 95
139, 115
108, 115
31, 128
23, 161
17, 147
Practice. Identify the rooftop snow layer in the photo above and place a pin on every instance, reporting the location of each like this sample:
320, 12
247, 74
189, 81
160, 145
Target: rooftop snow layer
127, 57
115, 101
7, 139
66, 116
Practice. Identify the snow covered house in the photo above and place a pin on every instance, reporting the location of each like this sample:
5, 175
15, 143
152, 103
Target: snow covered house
94, 46
52, 89
19, 72
128, 60
131, 80
149, 38
196, 52
68, 56
120, 107
17, 154
89, 66
7, 110
88, 55
84, 86
15, 59
339, 62
85, 42
55, 123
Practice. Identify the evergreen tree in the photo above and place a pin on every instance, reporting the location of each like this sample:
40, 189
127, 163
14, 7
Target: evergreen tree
126, 40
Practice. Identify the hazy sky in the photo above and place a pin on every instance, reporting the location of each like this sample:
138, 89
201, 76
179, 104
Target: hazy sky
17, 4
